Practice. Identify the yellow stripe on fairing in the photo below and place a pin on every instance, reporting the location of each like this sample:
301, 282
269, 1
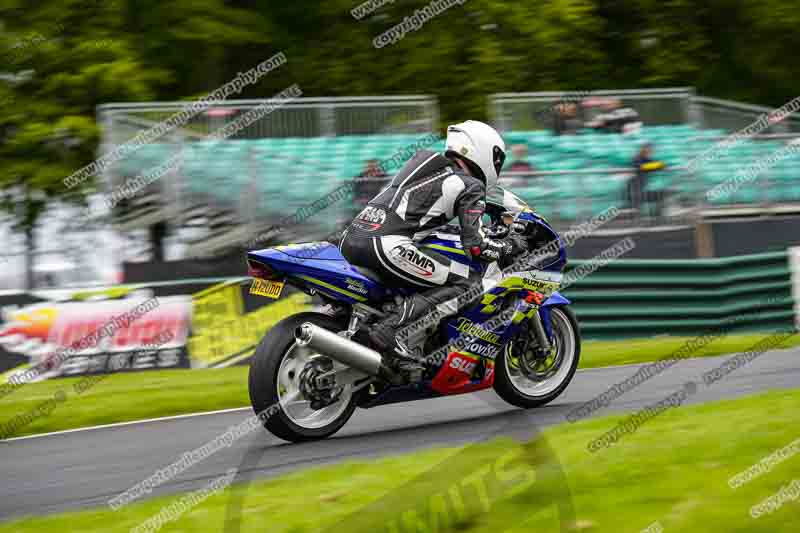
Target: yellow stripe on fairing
333, 288
511, 282
488, 298
445, 249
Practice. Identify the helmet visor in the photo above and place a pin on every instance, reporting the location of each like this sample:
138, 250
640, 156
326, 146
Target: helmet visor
498, 158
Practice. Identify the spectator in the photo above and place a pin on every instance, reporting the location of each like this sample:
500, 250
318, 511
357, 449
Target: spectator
644, 164
605, 120
565, 119
617, 119
519, 163
368, 184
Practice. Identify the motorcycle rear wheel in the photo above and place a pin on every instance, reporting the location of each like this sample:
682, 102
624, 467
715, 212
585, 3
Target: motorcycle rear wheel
274, 384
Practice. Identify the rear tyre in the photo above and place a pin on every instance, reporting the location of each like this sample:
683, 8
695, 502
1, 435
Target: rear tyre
274, 383
554, 374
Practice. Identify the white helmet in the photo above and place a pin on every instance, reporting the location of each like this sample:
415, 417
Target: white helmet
479, 144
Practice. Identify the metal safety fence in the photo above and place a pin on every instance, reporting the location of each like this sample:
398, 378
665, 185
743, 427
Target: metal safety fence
535, 110
302, 117
262, 173
721, 158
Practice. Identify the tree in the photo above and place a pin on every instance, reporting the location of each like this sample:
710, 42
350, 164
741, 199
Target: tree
64, 58
60, 59
59, 64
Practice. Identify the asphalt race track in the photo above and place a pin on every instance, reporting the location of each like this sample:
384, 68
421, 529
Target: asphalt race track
82, 469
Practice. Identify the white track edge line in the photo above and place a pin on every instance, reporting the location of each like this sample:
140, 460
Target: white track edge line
129, 423
187, 415
236, 409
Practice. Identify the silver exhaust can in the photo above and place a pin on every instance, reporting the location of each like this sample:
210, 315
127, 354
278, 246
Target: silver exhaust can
340, 348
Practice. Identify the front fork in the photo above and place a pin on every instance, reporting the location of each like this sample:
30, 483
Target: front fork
539, 319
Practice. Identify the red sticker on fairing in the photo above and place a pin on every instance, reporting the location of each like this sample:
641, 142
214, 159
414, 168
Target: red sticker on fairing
455, 375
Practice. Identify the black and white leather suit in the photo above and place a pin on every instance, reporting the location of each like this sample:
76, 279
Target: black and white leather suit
429, 191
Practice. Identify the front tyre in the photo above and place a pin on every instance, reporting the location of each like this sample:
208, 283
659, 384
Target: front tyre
279, 377
551, 375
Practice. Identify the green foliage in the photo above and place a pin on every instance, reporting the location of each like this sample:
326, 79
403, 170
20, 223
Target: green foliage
65, 57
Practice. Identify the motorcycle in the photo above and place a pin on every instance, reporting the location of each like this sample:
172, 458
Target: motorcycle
516, 333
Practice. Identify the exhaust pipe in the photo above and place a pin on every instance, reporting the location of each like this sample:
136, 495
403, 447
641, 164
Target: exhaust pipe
343, 350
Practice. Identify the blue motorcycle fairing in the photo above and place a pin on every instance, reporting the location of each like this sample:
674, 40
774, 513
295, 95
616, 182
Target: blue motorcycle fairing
322, 266
556, 299
508, 330
557, 264
544, 311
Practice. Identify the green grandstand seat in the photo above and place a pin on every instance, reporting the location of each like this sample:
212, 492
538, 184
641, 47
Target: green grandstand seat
791, 192
567, 210
747, 195
225, 169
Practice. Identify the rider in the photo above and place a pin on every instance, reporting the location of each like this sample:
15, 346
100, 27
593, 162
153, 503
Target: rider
425, 194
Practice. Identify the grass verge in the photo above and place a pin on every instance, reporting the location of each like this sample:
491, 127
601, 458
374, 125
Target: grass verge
673, 470
123, 397
608, 353
135, 396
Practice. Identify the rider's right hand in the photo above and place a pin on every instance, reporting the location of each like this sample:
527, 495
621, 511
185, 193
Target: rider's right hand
492, 250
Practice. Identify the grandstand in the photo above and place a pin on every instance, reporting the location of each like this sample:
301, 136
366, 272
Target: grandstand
224, 172
239, 187
559, 157
232, 190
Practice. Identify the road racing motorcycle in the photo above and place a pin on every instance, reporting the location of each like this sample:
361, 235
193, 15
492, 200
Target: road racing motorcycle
514, 332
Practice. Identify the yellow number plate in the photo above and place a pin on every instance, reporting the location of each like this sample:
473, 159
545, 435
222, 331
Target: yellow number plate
270, 289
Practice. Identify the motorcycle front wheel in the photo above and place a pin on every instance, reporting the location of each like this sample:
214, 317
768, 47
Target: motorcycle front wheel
536, 384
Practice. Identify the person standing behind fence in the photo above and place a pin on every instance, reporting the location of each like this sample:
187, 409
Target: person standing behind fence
565, 119
644, 164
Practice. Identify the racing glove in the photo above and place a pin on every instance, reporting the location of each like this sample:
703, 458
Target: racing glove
490, 250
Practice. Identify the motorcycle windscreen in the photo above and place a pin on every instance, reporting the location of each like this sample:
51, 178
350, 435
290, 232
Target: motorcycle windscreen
510, 201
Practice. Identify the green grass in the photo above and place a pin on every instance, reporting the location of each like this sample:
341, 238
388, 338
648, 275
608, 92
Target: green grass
135, 396
128, 396
607, 353
673, 470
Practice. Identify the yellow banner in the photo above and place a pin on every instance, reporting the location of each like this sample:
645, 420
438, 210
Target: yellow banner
221, 329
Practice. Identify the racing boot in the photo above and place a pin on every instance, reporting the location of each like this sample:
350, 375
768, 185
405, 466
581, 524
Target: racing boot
430, 306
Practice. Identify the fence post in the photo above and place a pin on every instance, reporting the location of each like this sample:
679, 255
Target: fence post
172, 182
107, 144
704, 239
794, 268
694, 111
433, 113
327, 121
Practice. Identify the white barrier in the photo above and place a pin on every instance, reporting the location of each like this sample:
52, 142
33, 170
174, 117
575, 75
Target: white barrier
794, 267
